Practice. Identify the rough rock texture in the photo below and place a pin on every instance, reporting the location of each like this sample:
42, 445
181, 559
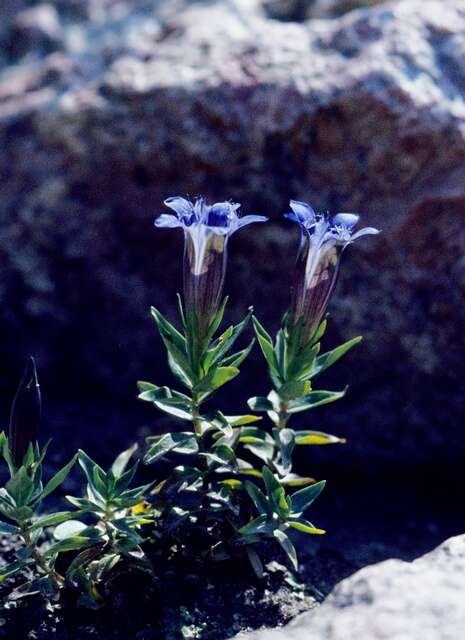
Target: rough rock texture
393, 600
117, 105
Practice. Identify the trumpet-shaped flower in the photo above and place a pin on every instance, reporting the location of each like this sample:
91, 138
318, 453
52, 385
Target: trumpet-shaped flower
207, 229
323, 240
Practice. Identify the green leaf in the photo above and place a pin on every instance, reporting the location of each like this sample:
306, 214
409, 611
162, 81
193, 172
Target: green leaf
182, 442
121, 462
259, 442
167, 400
260, 403
220, 454
327, 359
254, 434
303, 362
304, 526
96, 476
69, 544
280, 349
317, 437
266, 344
8, 528
276, 493
81, 560
69, 529
294, 389
237, 421
315, 399
301, 500
255, 561
175, 344
13, 567
236, 359
123, 482
287, 546
58, 478
167, 329
215, 323
181, 311
294, 480
258, 498
20, 487
258, 525
20, 514
85, 505
226, 342
215, 379
52, 519
271, 483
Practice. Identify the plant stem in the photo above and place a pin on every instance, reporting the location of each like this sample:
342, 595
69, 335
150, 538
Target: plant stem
283, 415
40, 561
196, 416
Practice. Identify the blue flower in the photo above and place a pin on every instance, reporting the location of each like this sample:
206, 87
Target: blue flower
207, 229
323, 240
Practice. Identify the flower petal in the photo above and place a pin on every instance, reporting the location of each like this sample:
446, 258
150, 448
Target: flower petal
220, 214
250, 219
303, 210
180, 205
348, 220
291, 216
366, 231
167, 220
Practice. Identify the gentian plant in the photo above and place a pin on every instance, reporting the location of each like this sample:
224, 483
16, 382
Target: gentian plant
199, 506
294, 361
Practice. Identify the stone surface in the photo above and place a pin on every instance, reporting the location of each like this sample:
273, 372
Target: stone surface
393, 600
130, 102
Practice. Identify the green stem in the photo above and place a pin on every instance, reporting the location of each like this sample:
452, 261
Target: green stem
106, 523
283, 415
196, 417
40, 561
203, 463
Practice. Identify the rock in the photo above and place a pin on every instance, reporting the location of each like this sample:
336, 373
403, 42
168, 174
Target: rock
299, 10
37, 29
393, 600
360, 113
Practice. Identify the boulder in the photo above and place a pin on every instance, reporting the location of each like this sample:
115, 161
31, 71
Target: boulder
361, 113
392, 600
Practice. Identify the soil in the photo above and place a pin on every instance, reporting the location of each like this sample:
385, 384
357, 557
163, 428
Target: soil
368, 519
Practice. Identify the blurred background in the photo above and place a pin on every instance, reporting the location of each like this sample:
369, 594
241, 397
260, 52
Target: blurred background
109, 106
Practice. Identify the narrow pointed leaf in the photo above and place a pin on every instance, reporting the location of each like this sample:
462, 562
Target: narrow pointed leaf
327, 359
58, 478
304, 526
315, 399
287, 546
301, 500
317, 438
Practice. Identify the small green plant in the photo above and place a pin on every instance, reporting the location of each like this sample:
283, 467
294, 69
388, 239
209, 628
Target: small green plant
118, 515
200, 504
293, 363
22, 496
110, 542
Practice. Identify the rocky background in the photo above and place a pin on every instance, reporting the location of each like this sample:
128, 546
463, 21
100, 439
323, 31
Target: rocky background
109, 106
